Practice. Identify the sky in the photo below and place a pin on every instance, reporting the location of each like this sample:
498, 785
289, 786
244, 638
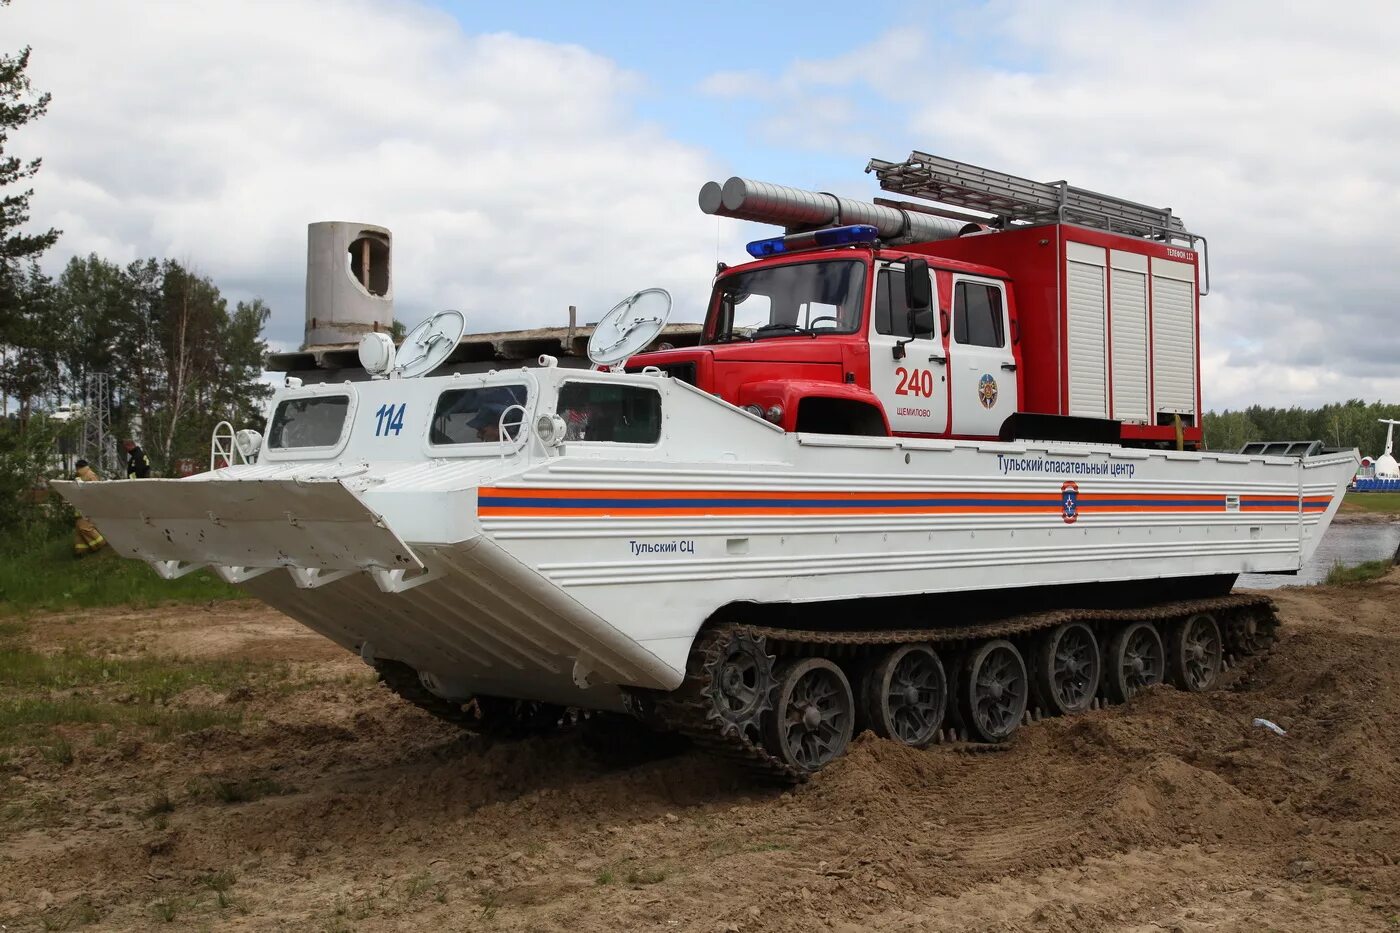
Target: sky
530, 156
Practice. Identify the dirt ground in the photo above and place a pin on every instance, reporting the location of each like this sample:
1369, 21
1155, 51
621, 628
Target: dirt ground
1172, 813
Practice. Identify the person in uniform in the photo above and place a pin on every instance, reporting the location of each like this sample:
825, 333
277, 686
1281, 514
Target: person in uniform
86, 537
487, 423
137, 466
492, 403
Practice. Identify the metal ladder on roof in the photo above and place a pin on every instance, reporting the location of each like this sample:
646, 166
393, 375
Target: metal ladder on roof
1020, 200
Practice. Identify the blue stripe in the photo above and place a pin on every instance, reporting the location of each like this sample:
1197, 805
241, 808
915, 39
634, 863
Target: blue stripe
1152, 503
630, 503
531, 502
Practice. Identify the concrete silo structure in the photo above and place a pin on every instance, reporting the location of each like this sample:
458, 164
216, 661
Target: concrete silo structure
349, 282
349, 293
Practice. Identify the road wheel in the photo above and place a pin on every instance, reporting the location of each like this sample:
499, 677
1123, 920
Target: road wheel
993, 690
814, 716
1066, 668
905, 695
1195, 652
1135, 661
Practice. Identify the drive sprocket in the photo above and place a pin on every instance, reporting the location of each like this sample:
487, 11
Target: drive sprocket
739, 681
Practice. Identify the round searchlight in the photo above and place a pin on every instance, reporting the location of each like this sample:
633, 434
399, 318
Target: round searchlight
377, 353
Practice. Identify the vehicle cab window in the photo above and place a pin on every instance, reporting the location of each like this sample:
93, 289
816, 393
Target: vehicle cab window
619, 414
977, 315
315, 421
891, 309
810, 298
474, 415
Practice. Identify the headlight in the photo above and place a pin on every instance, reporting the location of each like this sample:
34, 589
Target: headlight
550, 429
774, 413
755, 410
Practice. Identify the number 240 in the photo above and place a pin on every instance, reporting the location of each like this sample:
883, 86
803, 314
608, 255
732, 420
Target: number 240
389, 418
914, 382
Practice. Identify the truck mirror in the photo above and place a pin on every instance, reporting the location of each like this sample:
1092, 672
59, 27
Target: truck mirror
921, 323
918, 287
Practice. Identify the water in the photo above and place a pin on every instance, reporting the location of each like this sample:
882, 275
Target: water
1348, 543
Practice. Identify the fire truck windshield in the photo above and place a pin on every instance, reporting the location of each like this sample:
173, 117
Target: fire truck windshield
797, 298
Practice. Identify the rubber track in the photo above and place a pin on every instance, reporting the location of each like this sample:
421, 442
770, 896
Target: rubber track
687, 709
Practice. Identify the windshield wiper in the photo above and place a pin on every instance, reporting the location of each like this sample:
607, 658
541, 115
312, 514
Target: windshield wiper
770, 328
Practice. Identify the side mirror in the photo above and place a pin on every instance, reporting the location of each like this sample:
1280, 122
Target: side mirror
921, 323
918, 286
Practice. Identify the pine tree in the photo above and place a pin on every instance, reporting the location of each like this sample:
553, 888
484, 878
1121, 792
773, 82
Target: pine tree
24, 296
18, 105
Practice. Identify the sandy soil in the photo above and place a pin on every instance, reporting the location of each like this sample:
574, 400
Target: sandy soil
1172, 813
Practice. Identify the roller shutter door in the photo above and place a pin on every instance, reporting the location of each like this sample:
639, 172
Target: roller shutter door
1173, 338
1088, 369
1129, 324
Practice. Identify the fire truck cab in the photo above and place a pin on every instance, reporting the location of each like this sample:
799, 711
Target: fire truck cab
1022, 327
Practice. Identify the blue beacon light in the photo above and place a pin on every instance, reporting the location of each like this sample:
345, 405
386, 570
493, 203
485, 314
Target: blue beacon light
814, 239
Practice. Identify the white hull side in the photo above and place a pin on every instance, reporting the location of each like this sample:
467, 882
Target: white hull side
659, 576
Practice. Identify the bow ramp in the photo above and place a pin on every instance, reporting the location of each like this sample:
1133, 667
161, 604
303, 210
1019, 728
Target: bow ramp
457, 608
314, 528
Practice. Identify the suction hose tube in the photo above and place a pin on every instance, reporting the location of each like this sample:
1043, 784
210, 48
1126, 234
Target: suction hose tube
761, 201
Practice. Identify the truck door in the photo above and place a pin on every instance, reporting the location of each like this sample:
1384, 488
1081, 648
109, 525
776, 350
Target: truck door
981, 364
914, 389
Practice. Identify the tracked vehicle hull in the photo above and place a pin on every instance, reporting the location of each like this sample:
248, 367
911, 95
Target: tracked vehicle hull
599, 574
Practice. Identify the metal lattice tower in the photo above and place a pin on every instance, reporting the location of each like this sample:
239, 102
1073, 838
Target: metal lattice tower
99, 445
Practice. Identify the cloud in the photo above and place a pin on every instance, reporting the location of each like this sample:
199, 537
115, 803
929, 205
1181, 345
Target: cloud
513, 172
1272, 132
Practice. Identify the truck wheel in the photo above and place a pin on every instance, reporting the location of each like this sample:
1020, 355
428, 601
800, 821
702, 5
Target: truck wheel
814, 717
993, 690
1195, 651
1065, 669
1135, 661
905, 695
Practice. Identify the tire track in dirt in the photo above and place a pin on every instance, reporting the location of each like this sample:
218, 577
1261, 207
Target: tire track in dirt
1170, 812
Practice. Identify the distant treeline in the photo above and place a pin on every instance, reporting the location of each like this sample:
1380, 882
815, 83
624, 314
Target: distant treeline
1347, 424
178, 357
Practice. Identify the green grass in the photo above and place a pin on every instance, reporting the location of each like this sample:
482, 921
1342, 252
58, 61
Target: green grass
43, 575
219, 880
42, 693
1357, 573
168, 908
36, 717
146, 679
59, 753
1384, 502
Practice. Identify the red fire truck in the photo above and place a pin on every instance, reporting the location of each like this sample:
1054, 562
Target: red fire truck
1052, 312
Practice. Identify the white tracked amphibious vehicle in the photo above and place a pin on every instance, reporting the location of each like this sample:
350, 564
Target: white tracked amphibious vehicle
924, 472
